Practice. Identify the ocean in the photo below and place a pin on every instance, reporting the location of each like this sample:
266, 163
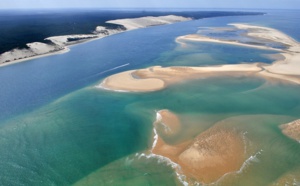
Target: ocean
58, 128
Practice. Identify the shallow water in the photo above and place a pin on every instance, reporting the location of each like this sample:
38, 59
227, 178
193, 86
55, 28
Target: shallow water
64, 130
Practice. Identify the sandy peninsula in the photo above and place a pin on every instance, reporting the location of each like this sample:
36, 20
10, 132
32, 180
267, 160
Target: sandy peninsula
59, 44
286, 69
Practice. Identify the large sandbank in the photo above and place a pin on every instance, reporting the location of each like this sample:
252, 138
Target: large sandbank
286, 69
207, 157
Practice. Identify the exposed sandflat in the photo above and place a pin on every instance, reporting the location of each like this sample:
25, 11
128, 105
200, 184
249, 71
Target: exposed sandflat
292, 129
207, 157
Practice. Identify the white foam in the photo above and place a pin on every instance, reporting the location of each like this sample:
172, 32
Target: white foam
113, 68
247, 163
159, 120
155, 139
100, 86
250, 160
169, 162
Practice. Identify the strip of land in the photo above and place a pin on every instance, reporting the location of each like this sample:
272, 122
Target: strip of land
59, 44
286, 69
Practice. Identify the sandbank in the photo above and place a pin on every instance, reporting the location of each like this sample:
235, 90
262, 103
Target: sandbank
126, 82
206, 158
286, 69
157, 77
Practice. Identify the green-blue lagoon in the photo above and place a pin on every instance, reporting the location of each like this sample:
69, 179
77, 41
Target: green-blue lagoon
65, 130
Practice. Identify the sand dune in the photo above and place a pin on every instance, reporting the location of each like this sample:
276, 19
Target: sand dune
143, 22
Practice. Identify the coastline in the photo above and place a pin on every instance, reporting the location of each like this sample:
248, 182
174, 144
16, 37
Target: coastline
61, 43
65, 50
281, 69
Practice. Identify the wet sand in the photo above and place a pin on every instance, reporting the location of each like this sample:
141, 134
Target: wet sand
207, 157
292, 129
157, 77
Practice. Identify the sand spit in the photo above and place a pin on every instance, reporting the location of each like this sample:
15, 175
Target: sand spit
60, 43
292, 129
286, 69
206, 158
157, 77
199, 38
143, 22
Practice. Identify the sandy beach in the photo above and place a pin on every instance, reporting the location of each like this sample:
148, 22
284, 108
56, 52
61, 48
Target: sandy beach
159, 77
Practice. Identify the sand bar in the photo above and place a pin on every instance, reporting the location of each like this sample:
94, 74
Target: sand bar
286, 69
206, 158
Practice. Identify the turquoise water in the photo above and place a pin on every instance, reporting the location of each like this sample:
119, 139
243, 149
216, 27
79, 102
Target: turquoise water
62, 130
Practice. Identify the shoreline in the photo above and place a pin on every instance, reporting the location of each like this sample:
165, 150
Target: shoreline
61, 44
281, 69
63, 51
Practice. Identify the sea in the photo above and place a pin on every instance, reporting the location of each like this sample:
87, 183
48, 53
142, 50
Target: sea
58, 128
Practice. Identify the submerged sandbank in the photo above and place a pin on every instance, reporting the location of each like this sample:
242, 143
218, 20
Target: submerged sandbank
286, 69
207, 157
61, 43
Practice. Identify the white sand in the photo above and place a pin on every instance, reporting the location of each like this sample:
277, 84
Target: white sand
125, 82
143, 22
34, 49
